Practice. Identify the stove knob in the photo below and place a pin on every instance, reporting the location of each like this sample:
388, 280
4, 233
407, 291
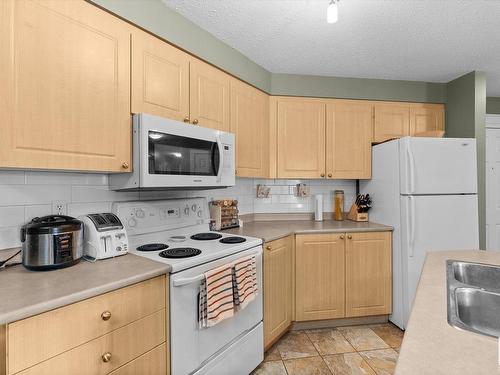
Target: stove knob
140, 213
194, 207
186, 210
132, 222
200, 213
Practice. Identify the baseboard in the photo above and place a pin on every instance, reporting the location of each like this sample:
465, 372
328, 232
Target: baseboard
331, 323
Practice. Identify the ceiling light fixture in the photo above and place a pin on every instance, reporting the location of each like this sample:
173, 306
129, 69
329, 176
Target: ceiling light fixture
332, 12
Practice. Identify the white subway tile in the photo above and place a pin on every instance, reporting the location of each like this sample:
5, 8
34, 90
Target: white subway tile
12, 177
65, 178
151, 195
37, 210
13, 195
11, 216
82, 194
78, 209
9, 237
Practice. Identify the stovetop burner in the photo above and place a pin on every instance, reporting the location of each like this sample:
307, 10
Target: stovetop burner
206, 236
152, 247
233, 240
180, 252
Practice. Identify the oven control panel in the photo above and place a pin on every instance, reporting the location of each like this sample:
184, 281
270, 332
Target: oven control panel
150, 216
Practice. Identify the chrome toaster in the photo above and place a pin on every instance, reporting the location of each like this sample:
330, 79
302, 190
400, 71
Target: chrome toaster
104, 236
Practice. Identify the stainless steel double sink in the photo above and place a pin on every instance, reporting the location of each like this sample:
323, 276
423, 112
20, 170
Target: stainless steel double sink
474, 297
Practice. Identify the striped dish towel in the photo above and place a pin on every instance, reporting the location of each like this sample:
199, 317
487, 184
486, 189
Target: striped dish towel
216, 296
244, 281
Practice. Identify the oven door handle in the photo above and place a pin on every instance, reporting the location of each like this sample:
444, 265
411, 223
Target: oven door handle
221, 158
188, 280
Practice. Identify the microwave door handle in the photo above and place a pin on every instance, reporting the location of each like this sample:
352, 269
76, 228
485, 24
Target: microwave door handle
221, 158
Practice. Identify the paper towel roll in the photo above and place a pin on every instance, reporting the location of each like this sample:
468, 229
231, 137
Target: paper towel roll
318, 207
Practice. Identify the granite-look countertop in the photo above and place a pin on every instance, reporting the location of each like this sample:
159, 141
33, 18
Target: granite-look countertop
272, 230
25, 293
430, 345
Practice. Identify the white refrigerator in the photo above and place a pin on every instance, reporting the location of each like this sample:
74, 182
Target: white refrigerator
426, 188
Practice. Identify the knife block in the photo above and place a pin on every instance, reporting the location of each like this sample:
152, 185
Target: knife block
354, 215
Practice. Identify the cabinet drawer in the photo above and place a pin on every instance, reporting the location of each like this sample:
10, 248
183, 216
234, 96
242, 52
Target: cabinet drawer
123, 345
43, 336
153, 362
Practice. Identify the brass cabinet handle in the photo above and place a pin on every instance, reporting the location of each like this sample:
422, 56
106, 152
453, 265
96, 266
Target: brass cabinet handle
195, 121
186, 119
329, 175
106, 315
322, 175
269, 248
125, 165
106, 357
349, 237
341, 236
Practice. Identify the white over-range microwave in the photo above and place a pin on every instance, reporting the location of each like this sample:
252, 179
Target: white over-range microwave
170, 154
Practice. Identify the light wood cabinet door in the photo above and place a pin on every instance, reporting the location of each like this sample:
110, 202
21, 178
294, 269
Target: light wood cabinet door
250, 123
319, 276
277, 288
300, 138
160, 78
209, 96
151, 363
348, 139
65, 92
392, 120
368, 274
426, 117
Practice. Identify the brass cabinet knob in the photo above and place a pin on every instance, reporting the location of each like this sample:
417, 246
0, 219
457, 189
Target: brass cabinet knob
195, 121
125, 165
269, 248
329, 175
341, 236
349, 237
186, 119
106, 315
322, 175
106, 357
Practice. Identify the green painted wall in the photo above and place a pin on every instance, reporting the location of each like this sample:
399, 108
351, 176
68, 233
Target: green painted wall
357, 88
465, 117
493, 105
157, 18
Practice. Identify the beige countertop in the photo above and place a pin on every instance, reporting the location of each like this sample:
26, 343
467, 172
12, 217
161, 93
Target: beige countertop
26, 293
430, 345
272, 230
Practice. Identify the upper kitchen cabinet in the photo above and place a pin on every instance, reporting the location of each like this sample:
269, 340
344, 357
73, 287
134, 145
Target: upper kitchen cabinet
250, 123
65, 92
209, 96
426, 117
160, 78
392, 120
348, 139
300, 138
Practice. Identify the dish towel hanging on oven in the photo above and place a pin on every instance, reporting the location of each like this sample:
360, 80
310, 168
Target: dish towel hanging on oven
216, 296
244, 281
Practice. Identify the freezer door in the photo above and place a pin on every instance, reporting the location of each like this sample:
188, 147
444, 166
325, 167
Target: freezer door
437, 165
433, 223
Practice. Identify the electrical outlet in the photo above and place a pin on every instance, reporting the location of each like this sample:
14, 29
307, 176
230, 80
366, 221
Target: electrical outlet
59, 208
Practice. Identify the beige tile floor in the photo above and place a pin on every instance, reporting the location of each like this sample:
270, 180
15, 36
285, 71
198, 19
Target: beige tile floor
357, 350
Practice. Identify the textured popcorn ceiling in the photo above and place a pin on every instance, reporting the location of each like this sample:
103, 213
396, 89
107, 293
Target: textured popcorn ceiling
421, 40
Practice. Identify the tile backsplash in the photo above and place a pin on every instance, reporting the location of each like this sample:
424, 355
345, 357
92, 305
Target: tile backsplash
26, 194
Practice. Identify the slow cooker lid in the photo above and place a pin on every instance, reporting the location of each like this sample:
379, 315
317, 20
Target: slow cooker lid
47, 224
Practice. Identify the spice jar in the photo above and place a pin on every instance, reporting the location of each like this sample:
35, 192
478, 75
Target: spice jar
338, 197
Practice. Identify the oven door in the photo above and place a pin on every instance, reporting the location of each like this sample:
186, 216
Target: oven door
193, 347
173, 154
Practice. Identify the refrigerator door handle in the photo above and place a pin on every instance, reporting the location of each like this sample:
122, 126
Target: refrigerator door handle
411, 226
411, 170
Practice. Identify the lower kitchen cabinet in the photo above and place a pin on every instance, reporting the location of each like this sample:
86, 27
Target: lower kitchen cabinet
342, 275
121, 332
368, 274
319, 276
278, 283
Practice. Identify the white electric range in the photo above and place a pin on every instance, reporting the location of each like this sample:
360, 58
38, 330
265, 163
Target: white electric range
177, 232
